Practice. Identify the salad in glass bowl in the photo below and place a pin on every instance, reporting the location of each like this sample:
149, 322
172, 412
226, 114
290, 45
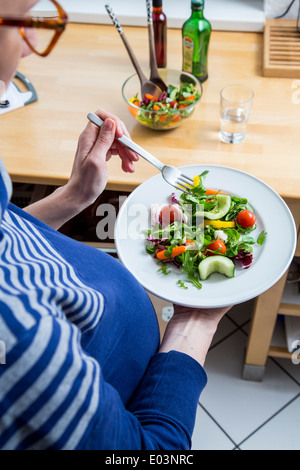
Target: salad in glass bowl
171, 108
202, 232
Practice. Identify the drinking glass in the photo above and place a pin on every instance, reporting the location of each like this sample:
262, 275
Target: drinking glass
235, 107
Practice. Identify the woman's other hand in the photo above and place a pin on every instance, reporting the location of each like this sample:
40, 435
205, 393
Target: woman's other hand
191, 331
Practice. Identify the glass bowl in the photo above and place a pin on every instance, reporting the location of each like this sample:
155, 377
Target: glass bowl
162, 119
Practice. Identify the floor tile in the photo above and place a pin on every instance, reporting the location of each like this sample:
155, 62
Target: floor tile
280, 433
159, 305
292, 369
225, 328
242, 313
279, 339
208, 435
252, 415
240, 406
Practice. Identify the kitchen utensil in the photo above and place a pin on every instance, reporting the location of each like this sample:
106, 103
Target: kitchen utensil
4, 104
171, 174
147, 86
281, 48
13, 98
154, 74
157, 119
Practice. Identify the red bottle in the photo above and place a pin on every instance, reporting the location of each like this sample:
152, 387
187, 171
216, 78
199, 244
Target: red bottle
160, 33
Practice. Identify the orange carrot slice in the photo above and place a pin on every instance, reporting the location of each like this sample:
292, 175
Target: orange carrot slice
150, 97
177, 250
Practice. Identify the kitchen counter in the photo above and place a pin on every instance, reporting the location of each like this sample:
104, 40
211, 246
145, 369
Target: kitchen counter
86, 72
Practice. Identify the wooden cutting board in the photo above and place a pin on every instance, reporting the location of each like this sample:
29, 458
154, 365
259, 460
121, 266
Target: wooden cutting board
281, 48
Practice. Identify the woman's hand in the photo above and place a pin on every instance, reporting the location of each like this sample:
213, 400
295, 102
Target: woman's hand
89, 174
95, 147
210, 317
191, 331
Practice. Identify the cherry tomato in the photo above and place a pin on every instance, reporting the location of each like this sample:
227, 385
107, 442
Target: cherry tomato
168, 215
217, 245
246, 219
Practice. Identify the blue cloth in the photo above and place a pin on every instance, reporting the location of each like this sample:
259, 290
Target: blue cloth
81, 337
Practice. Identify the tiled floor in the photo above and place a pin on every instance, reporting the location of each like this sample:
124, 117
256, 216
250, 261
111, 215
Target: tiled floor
237, 414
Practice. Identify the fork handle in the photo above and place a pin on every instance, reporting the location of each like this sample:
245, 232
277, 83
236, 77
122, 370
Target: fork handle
130, 144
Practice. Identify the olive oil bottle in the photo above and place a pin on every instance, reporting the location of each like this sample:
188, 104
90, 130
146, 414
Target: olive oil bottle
196, 33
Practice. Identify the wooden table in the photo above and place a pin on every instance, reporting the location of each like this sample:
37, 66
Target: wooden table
86, 71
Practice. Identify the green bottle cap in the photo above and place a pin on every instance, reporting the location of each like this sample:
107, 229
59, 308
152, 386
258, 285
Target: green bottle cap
198, 3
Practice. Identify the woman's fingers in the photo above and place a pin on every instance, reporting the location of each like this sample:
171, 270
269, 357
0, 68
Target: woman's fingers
127, 155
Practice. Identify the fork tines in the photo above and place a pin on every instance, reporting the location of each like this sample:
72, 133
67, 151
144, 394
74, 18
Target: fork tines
185, 179
184, 182
183, 189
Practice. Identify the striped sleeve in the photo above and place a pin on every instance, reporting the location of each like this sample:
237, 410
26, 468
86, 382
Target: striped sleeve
30, 266
52, 388
54, 397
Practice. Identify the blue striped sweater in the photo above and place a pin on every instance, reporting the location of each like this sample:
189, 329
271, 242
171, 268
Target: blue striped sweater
77, 371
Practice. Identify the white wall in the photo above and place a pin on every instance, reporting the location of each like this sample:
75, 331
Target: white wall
275, 8
236, 15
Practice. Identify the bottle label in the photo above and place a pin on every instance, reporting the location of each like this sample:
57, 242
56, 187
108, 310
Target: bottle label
188, 53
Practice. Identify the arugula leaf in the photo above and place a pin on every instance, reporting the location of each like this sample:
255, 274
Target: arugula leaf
150, 248
235, 243
247, 229
164, 269
245, 247
249, 240
181, 284
261, 238
146, 232
190, 198
191, 269
233, 235
237, 205
169, 250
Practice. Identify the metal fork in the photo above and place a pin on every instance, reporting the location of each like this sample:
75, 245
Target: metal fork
171, 174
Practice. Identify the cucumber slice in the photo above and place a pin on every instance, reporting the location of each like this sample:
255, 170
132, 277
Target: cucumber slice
173, 93
221, 209
216, 264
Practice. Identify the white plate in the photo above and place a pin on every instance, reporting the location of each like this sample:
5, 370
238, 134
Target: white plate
271, 259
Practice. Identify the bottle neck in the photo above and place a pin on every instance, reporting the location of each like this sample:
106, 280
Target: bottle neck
157, 5
157, 9
197, 12
197, 9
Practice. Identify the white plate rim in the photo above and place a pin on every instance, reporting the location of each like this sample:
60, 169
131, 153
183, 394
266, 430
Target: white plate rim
203, 301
